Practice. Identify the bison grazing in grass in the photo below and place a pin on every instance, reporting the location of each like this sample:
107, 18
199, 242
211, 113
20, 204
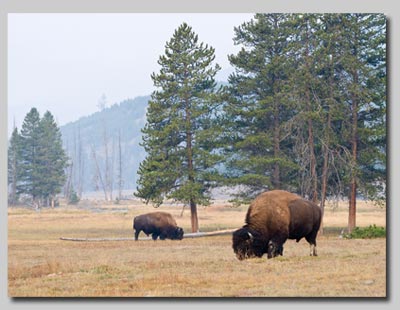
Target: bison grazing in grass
158, 224
272, 218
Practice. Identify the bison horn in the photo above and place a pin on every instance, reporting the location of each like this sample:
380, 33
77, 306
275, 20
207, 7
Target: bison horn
250, 235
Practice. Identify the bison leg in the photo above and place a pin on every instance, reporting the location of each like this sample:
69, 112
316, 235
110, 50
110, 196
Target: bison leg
274, 249
280, 250
275, 245
313, 250
137, 232
154, 236
311, 239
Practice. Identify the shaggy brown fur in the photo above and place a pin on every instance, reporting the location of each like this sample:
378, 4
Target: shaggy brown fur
158, 224
271, 219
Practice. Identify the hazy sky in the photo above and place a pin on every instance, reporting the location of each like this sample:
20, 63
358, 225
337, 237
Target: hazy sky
65, 62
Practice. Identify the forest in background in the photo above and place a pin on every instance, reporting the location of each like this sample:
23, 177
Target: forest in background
119, 128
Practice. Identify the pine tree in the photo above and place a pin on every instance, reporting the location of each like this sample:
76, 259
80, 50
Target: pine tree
14, 159
178, 135
42, 160
304, 88
258, 147
52, 159
30, 177
331, 110
365, 66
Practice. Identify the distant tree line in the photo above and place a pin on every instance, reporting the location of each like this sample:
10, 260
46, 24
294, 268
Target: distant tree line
103, 149
36, 160
304, 110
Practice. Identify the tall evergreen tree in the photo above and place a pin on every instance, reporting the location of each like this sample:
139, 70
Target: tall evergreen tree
41, 160
180, 162
30, 177
258, 108
52, 159
14, 161
330, 105
304, 85
365, 66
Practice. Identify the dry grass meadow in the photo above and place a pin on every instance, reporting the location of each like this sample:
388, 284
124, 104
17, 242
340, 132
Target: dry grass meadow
42, 265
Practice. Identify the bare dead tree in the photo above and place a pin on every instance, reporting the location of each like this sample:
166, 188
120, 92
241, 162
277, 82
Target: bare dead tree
80, 164
111, 170
69, 174
120, 179
98, 173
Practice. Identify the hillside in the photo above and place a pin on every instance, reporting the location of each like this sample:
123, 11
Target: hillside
88, 133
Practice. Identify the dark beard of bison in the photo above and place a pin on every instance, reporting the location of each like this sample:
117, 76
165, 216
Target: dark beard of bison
178, 234
173, 234
247, 243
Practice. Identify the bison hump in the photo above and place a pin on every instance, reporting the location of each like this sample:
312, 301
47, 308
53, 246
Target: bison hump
269, 212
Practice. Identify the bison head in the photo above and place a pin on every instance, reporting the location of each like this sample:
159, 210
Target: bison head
247, 243
178, 234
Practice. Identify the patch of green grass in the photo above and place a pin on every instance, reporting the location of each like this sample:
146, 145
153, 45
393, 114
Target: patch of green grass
372, 231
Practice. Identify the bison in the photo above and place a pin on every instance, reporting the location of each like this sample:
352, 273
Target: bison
158, 224
272, 218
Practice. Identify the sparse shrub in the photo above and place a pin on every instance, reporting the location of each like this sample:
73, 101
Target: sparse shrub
372, 231
73, 198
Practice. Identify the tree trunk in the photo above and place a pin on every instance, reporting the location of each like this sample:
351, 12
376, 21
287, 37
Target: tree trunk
111, 170
323, 190
276, 182
324, 177
313, 163
119, 167
193, 216
311, 146
325, 149
276, 174
80, 164
354, 141
192, 202
103, 185
107, 166
353, 181
69, 181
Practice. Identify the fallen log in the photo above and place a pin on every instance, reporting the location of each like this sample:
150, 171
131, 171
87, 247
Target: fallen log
209, 234
100, 239
188, 235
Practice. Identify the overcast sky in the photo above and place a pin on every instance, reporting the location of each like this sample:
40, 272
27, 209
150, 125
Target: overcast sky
65, 62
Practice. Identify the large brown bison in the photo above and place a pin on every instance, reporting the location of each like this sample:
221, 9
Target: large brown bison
158, 224
272, 218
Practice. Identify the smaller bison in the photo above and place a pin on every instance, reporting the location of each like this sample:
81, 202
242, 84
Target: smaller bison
272, 218
158, 224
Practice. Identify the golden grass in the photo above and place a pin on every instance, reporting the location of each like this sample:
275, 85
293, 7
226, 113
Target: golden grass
42, 265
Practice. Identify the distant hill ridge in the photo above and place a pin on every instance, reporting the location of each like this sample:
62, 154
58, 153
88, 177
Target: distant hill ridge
88, 133
81, 137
